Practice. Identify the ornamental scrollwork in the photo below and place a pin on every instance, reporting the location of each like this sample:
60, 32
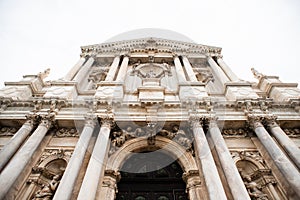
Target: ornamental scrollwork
235, 132
8, 131
54, 154
292, 132
119, 137
66, 132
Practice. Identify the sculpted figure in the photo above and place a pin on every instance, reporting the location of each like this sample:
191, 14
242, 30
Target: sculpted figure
167, 134
139, 132
48, 190
253, 189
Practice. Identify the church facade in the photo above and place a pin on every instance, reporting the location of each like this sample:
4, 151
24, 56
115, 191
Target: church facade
150, 118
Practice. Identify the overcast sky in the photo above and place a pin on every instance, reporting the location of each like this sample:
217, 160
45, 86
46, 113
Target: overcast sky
37, 34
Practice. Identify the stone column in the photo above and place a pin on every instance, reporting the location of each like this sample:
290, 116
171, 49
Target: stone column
209, 169
18, 163
287, 169
193, 185
83, 71
179, 70
189, 69
15, 142
123, 69
109, 188
230, 74
113, 69
69, 76
273, 191
67, 183
217, 70
95, 170
289, 146
234, 180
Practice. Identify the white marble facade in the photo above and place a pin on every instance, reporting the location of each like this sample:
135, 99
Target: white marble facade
69, 138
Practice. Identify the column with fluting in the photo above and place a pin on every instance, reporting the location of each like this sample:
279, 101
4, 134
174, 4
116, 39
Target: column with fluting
288, 170
289, 146
209, 169
15, 142
67, 183
230, 74
95, 170
123, 69
179, 70
234, 180
189, 69
113, 69
18, 163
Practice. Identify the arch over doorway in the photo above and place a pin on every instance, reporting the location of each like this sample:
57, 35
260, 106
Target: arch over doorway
185, 159
193, 183
145, 176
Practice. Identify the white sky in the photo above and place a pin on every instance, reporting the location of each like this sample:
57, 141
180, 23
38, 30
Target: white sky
37, 34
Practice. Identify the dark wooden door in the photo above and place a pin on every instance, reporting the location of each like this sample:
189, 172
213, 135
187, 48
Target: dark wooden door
139, 180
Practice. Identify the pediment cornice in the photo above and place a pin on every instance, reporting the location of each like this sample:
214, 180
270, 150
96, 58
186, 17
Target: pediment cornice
150, 44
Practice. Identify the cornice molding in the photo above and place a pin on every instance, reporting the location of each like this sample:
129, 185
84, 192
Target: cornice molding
150, 44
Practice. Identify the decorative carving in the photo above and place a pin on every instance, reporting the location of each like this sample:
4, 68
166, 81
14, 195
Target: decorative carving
48, 190
4, 103
177, 135
114, 174
292, 132
8, 131
254, 189
97, 75
257, 74
44, 74
234, 132
250, 155
151, 129
181, 138
66, 132
270, 121
255, 121
203, 75
190, 174
151, 70
90, 120
54, 154
48, 120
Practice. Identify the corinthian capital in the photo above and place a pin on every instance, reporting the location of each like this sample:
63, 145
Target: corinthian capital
90, 120
107, 121
255, 121
48, 120
196, 121
32, 119
270, 121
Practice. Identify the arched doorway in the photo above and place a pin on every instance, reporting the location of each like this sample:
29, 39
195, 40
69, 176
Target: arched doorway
151, 176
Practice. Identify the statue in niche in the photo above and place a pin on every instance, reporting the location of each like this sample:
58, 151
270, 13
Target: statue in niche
253, 188
47, 191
